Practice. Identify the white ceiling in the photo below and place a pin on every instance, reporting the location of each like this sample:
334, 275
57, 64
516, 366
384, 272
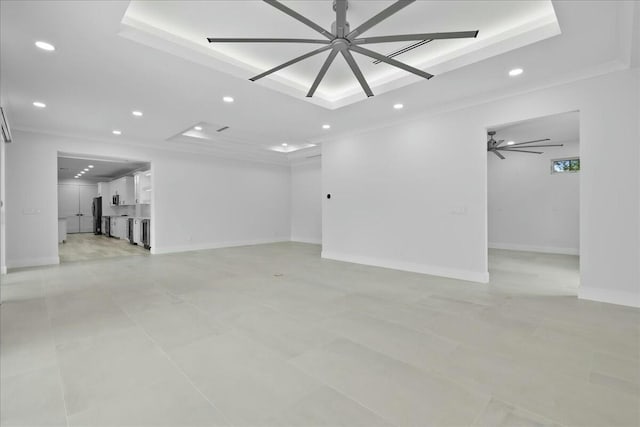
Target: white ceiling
103, 170
502, 25
96, 77
560, 128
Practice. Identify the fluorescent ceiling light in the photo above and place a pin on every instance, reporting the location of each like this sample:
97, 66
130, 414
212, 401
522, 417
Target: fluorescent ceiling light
326, 126
516, 72
510, 142
116, 132
45, 46
39, 104
137, 113
227, 99
198, 127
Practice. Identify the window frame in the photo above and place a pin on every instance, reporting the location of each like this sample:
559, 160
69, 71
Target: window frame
563, 159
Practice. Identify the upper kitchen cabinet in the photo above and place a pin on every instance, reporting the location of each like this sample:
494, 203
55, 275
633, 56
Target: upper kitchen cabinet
124, 189
143, 187
103, 189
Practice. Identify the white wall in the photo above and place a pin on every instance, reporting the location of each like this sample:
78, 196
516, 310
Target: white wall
530, 208
306, 201
414, 195
3, 264
198, 201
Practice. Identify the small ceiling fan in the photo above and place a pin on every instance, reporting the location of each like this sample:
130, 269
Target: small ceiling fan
341, 39
496, 146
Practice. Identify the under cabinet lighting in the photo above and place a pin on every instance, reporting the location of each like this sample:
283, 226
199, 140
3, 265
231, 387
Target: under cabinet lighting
39, 104
45, 46
516, 72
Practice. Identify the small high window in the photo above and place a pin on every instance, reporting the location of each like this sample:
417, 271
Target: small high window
565, 165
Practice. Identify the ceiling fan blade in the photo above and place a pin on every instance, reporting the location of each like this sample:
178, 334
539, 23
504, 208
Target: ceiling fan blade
520, 151
322, 72
397, 6
295, 15
390, 61
498, 154
539, 145
356, 71
341, 17
413, 37
291, 62
497, 143
529, 142
263, 40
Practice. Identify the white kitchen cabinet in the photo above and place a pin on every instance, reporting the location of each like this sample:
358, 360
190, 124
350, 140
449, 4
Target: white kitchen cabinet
123, 187
142, 184
103, 189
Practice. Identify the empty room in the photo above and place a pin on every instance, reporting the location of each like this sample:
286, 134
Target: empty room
320, 213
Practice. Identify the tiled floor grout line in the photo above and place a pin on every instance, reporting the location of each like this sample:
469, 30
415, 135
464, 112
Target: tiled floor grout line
58, 368
175, 365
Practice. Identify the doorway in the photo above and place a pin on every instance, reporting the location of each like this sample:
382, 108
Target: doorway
104, 207
533, 204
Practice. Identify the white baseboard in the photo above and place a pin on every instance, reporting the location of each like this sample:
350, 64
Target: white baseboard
472, 276
610, 296
529, 248
311, 240
216, 245
33, 262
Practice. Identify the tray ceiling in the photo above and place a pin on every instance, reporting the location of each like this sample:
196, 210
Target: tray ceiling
181, 28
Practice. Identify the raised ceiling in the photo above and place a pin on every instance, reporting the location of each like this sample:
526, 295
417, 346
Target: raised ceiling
503, 25
560, 128
96, 77
103, 169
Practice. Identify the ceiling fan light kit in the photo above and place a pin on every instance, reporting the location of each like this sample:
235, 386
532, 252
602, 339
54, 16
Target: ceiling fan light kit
342, 40
498, 149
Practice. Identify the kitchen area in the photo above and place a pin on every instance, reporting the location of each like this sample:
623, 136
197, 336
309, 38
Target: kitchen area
104, 208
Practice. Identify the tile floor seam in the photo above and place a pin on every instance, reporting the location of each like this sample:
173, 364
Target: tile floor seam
175, 365
58, 368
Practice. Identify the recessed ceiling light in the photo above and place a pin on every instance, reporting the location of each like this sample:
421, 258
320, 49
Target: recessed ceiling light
39, 104
515, 72
198, 127
137, 113
284, 144
398, 106
227, 99
86, 169
90, 166
45, 46
326, 126
510, 142
76, 177
116, 132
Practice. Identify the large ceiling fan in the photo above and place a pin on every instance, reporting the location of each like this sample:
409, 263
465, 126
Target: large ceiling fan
496, 147
342, 40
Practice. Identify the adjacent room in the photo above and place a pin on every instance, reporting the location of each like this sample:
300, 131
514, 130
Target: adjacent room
533, 201
320, 213
104, 208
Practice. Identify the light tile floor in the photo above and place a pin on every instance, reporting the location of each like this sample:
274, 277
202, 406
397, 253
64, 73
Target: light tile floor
88, 246
272, 335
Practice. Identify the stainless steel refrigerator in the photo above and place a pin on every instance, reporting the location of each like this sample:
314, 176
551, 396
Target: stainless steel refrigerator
96, 209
